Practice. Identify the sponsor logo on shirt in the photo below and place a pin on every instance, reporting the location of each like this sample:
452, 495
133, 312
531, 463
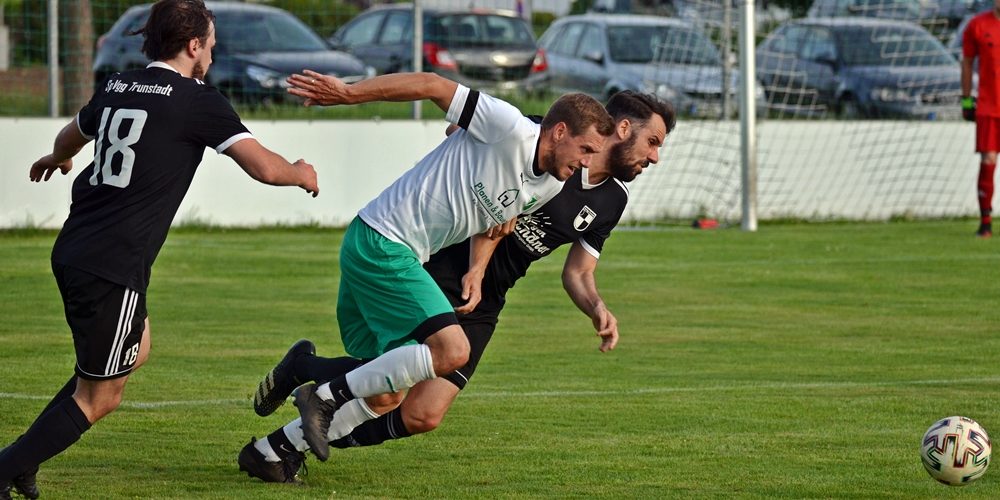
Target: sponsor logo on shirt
508, 197
527, 206
487, 206
531, 233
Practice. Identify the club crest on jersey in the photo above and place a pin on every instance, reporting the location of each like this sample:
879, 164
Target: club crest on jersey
584, 218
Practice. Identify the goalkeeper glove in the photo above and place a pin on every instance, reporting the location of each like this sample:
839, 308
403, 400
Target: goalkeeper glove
969, 108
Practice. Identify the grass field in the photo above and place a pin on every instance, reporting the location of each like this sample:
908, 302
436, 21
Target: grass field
802, 361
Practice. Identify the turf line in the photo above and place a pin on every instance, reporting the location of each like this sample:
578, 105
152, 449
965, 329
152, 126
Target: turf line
556, 394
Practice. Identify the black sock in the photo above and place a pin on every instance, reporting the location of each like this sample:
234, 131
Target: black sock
280, 444
50, 434
377, 431
66, 392
320, 369
341, 393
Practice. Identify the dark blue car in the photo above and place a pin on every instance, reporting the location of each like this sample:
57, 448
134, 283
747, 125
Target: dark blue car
257, 47
858, 68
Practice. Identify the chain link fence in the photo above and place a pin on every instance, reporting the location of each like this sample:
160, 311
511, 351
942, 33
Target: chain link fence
859, 81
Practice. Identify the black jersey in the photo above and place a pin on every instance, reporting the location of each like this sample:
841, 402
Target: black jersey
151, 127
580, 212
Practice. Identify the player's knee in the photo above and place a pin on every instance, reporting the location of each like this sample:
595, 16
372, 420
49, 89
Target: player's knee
98, 407
421, 421
453, 358
384, 403
449, 349
457, 353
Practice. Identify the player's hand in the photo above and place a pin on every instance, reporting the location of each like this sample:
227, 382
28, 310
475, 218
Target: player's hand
318, 89
501, 230
46, 166
606, 325
969, 108
310, 183
472, 292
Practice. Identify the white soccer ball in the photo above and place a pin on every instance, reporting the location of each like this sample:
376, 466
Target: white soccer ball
956, 451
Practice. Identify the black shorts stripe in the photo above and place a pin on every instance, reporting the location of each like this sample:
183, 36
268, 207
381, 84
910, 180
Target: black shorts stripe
469, 110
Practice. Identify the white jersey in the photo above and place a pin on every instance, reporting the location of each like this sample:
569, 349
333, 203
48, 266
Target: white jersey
482, 175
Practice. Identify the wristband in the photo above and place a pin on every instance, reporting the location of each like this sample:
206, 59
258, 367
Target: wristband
968, 102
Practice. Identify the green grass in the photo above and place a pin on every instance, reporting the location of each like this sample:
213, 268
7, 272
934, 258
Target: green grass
801, 361
23, 105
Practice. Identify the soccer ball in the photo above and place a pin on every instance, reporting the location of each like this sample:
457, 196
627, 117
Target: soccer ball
956, 451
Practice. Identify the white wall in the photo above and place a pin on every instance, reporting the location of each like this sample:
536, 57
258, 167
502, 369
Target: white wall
844, 170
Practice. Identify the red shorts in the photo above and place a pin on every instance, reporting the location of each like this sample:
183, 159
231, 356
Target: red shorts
987, 134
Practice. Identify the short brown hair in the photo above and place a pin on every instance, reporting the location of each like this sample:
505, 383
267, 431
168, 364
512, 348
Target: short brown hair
171, 24
579, 112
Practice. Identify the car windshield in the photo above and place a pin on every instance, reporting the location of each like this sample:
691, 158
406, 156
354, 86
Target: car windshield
891, 46
666, 44
480, 30
251, 32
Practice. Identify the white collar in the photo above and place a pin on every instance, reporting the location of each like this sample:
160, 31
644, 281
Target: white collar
163, 65
585, 179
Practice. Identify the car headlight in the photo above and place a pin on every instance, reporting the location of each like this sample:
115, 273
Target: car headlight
891, 94
267, 78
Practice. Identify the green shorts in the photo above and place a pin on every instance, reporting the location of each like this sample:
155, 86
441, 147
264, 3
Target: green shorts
386, 297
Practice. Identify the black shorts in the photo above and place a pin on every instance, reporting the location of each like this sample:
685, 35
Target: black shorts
106, 319
479, 334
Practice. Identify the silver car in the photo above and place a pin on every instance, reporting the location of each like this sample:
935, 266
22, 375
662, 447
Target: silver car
601, 54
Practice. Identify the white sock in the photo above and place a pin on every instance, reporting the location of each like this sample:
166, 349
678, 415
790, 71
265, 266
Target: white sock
264, 447
293, 431
393, 371
349, 416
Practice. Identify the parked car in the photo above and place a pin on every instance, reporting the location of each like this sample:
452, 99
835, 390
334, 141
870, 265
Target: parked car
491, 50
257, 47
940, 17
601, 54
907, 10
858, 68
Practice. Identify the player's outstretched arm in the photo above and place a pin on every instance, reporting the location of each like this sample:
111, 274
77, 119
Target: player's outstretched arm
68, 143
578, 280
324, 90
269, 167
